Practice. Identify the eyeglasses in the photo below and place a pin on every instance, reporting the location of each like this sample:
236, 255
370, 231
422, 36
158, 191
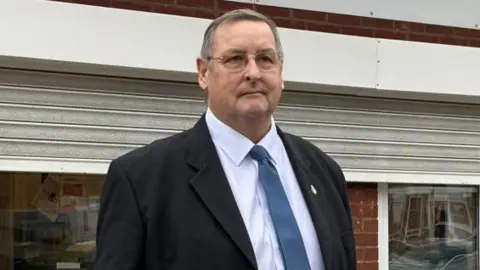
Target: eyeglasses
239, 60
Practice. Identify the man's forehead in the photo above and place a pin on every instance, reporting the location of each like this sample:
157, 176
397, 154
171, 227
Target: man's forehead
245, 33
261, 49
233, 29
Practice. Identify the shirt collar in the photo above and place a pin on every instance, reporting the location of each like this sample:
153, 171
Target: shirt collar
234, 144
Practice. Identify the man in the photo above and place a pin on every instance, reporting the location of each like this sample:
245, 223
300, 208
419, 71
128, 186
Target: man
234, 192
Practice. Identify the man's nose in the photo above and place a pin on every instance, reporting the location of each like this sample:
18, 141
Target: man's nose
252, 72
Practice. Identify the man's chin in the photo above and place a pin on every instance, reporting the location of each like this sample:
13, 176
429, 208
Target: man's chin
255, 113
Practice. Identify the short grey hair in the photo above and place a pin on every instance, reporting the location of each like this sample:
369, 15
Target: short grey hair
236, 16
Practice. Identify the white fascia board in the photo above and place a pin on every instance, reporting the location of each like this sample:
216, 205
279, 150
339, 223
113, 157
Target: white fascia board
431, 68
53, 165
48, 35
411, 177
88, 166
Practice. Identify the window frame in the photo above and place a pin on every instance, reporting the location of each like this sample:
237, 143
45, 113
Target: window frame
383, 217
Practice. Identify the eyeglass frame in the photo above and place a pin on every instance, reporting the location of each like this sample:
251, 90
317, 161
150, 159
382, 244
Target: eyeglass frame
221, 59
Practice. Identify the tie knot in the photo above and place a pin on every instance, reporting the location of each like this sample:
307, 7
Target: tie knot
259, 153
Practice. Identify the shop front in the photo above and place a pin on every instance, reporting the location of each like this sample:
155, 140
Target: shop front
60, 131
401, 118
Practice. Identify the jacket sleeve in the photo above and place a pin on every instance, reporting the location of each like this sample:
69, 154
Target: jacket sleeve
351, 252
120, 230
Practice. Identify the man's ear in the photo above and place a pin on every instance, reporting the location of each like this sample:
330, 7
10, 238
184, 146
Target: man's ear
202, 70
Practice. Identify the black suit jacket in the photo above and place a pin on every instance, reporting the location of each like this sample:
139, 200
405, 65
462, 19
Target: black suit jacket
168, 205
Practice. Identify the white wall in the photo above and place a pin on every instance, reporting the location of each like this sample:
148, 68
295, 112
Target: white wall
60, 36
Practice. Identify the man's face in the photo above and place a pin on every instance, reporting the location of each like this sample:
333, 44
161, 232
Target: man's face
244, 79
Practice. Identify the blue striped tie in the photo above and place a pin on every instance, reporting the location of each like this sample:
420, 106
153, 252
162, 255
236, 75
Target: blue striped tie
288, 233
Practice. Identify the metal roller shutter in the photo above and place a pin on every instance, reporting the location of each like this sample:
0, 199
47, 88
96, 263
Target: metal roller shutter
47, 115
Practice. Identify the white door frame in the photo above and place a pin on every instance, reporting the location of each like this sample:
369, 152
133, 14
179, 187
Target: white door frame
383, 250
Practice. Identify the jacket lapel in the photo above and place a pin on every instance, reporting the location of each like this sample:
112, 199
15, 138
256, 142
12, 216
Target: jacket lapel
211, 185
313, 195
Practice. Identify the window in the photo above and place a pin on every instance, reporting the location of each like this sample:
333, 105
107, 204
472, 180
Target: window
48, 221
432, 227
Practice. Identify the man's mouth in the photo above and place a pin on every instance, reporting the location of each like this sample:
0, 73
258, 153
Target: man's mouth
252, 93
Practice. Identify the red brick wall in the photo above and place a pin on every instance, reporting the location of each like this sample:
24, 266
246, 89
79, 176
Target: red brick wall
308, 20
364, 208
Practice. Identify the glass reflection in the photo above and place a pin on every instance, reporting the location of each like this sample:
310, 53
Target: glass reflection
433, 227
48, 221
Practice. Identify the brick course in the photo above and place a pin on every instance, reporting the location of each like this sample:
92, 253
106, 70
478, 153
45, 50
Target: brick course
306, 20
364, 208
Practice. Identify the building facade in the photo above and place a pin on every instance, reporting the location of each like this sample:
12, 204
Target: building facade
393, 99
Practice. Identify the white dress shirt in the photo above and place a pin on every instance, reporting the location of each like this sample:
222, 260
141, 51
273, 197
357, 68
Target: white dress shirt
242, 174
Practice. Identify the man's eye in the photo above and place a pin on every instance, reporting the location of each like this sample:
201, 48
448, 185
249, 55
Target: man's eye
234, 58
266, 58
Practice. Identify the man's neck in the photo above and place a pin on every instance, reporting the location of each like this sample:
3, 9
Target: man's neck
252, 128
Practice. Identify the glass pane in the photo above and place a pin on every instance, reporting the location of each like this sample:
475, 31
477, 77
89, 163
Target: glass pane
48, 221
433, 227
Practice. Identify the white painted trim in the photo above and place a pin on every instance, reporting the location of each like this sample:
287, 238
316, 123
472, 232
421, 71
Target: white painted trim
383, 248
53, 165
394, 177
59, 165
478, 225
82, 38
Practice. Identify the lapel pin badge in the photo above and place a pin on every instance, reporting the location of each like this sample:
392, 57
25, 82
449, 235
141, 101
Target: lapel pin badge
314, 191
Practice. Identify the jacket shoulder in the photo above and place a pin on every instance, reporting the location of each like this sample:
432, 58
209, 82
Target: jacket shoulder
156, 150
317, 157
311, 151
